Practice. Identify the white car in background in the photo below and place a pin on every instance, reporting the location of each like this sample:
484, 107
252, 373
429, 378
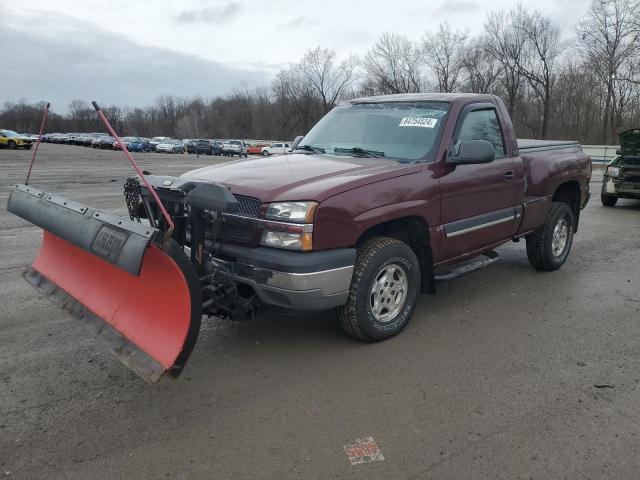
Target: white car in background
170, 146
155, 141
276, 149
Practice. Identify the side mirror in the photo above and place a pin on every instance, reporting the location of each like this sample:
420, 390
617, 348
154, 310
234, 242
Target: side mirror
618, 151
474, 151
296, 142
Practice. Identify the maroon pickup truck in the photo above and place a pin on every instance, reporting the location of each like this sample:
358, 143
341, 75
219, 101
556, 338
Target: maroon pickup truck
381, 192
365, 213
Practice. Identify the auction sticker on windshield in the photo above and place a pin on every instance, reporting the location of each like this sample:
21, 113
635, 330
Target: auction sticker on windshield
418, 122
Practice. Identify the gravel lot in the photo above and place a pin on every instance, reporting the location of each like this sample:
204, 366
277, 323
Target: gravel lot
495, 377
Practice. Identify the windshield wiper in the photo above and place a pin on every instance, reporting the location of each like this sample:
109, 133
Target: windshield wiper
360, 152
310, 148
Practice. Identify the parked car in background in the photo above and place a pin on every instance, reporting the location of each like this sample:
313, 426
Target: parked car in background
217, 147
170, 146
189, 144
11, 139
89, 138
256, 149
125, 141
203, 147
275, 148
138, 144
106, 142
234, 147
155, 141
622, 176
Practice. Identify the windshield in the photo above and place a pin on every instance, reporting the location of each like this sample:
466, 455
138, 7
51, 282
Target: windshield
9, 133
397, 130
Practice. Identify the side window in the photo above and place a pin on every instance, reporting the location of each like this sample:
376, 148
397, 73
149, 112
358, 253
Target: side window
483, 125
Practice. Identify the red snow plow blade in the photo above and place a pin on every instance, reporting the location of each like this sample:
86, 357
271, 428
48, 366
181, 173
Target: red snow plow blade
138, 293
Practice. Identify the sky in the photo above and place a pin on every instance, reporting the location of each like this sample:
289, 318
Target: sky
128, 52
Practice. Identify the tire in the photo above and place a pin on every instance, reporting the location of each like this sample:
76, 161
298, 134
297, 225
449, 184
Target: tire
265, 153
608, 200
12, 145
376, 257
546, 249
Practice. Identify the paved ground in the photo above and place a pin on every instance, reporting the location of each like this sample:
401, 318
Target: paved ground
494, 377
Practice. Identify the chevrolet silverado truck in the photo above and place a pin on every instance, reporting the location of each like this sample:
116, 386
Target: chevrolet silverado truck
379, 199
621, 178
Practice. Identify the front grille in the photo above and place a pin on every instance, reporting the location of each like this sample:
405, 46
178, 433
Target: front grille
247, 207
633, 178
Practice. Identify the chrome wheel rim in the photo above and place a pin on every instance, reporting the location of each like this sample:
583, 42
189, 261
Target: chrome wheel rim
560, 237
388, 293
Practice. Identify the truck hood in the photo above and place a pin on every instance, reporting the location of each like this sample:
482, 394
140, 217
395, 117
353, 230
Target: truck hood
300, 176
630, 142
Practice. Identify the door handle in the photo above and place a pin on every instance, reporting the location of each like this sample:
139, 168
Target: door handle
508, 175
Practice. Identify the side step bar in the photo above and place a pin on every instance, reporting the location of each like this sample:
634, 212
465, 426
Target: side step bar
486, 259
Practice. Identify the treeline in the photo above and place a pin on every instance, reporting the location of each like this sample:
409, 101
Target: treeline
586, 87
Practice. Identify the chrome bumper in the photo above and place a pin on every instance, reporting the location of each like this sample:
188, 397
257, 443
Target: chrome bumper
318, 290
300, 281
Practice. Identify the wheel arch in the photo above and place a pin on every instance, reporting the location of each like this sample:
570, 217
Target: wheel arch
414, 231
569, 193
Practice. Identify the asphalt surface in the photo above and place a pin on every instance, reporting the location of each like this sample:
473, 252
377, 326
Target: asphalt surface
506, 373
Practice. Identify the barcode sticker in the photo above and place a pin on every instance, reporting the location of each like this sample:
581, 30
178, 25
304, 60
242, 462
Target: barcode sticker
418, 122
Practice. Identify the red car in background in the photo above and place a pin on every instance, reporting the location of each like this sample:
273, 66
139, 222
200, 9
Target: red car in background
256, 149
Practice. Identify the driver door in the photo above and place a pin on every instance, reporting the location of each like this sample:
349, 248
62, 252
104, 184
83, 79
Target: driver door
477, 200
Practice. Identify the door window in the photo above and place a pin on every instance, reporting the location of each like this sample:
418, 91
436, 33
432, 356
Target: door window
482, 125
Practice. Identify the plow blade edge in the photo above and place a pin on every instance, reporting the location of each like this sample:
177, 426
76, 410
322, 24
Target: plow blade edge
140, 296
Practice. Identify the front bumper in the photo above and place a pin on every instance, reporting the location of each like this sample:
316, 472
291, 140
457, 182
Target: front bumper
620, 188
295, 280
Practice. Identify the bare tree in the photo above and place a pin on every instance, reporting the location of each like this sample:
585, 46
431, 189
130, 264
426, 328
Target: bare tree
480, 68
328, 78
609, 37
445, 53
505, 46
393, 65
537, 61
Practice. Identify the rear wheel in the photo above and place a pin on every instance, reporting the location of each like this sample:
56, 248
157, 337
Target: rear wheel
265, 153
548, 247
608, 200
384, 289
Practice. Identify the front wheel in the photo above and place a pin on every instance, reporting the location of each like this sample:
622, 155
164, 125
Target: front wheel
548, 247
608, 200
384, 289
12, 145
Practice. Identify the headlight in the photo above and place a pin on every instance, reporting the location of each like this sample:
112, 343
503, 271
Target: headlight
295, 212
613, 171
288, 240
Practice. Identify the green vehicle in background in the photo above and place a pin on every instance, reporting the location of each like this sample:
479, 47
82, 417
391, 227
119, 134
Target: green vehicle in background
622, 176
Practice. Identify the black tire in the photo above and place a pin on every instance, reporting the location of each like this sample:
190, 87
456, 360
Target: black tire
608, 200
540, 244
265, 153
356, 317
12, 145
